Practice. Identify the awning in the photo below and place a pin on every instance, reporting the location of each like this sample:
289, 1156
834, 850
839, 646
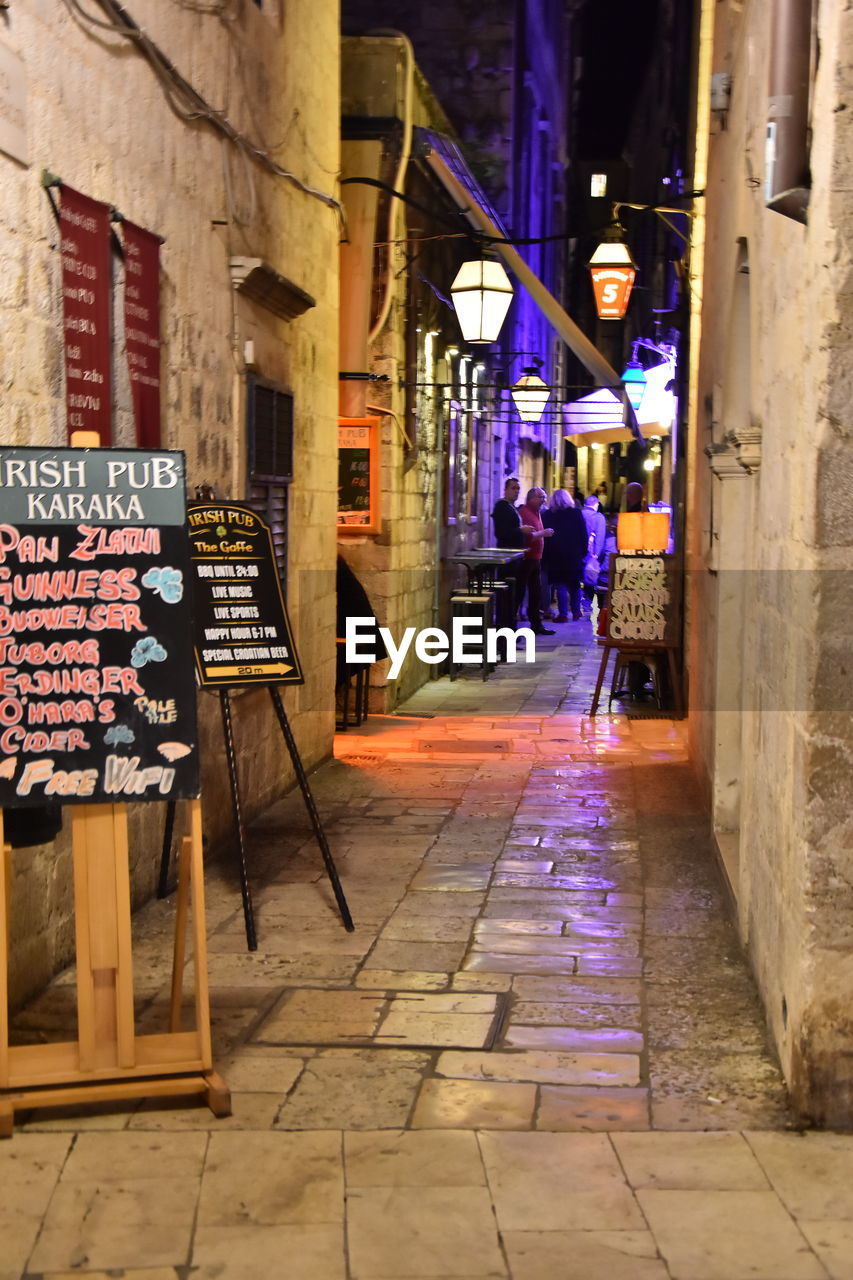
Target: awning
598, 418
472, 205
595, 419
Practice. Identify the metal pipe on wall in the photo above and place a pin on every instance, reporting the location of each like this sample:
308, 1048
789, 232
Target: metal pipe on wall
786, 180
360, 202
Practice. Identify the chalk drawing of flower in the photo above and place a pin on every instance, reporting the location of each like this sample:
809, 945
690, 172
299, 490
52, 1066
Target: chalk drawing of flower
147, 650
117, 734
167, 582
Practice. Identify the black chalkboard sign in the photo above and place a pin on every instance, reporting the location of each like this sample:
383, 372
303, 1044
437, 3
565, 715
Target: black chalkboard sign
358, 475
354, 480
242, 632
643, 604
97, 701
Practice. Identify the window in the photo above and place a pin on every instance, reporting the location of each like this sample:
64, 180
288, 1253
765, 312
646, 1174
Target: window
598, 185
270, 440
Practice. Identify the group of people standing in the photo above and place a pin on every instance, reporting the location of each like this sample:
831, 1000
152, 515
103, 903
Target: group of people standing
559, 540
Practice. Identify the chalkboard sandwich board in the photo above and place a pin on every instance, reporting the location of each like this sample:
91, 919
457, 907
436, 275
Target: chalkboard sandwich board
97, 701
643, 604
358, 475
242, 634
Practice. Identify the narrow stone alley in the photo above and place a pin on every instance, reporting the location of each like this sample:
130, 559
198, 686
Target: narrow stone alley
540, 1054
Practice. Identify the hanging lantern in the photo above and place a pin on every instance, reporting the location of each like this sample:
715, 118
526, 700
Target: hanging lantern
612, 270
530, 395
481, 294
634, 381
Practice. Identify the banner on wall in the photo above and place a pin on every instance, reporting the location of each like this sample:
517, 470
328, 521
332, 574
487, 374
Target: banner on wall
85, 243
142, 329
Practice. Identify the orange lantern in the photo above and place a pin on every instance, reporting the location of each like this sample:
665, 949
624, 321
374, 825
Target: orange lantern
612, 270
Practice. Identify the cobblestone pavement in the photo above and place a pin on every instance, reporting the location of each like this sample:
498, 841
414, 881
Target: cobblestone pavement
540, 1055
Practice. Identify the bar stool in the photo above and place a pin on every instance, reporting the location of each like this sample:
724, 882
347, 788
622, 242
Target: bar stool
504, 590
480, 606
361, 675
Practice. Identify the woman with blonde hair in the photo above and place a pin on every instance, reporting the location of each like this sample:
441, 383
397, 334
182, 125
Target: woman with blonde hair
565, 552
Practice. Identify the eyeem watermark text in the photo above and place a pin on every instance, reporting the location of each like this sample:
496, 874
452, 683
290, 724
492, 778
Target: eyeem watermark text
432, 645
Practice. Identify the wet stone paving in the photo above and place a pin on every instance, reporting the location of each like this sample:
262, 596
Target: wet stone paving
540, 1055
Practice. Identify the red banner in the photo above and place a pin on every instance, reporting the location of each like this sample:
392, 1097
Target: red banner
142, 329
85, 231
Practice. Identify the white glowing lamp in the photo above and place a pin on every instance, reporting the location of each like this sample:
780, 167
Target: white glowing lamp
530, 395
481, 296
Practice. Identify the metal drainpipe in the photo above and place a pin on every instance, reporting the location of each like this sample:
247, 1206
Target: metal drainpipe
356, 259
786, 182
439, 506
399, 177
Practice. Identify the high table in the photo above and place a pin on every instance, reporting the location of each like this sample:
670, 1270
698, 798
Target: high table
483, 564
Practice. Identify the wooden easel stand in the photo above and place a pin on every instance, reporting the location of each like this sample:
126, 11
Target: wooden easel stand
637, 651
108, 1061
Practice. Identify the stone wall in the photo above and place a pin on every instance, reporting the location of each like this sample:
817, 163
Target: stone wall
770, 545
98, 117
465, 50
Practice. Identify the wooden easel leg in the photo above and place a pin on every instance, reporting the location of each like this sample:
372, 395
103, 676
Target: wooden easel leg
605, 654
312, 808
202, 992
180, 949
125, 1013
675, 681
102, 910
217, 1095
248, 912
168, 829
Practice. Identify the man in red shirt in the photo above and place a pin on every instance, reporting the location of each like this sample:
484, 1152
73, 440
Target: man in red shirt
529, 575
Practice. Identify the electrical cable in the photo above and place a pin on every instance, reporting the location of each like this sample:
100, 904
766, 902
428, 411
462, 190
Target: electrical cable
216, 8
478, 237
438, 215
184, 100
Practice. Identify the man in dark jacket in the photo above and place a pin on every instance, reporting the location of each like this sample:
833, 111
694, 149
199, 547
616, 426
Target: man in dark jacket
509, 530
512, 533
